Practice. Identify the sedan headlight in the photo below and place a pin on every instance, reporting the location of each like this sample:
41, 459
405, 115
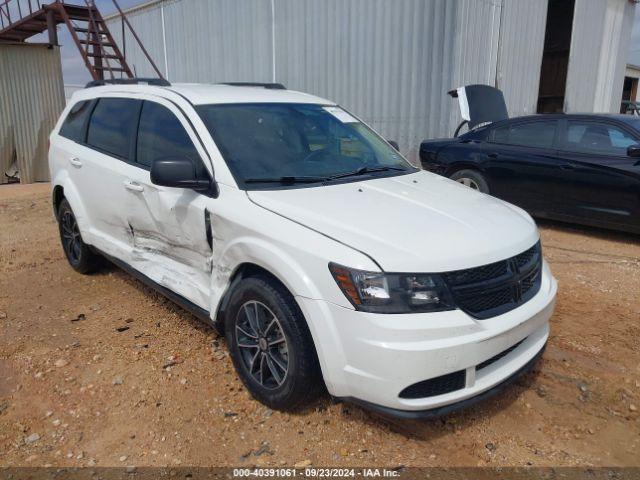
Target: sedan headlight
393, 292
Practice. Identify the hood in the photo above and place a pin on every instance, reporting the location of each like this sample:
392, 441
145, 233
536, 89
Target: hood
480, 104
419, 222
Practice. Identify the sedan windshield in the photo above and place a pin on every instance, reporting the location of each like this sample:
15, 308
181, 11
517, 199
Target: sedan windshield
277, 145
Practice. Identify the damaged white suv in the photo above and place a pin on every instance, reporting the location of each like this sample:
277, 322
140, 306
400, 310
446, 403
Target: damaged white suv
324, 257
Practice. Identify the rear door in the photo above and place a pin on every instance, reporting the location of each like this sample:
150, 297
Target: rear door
522, 165
170, 233
103, 161
606, 182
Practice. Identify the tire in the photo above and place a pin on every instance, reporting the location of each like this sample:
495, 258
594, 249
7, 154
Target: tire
472, 179
276, 361
79, 255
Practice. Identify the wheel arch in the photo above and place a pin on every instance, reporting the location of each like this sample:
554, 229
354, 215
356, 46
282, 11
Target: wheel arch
56, 198
463, 165
242, 271
63, 188
249, 270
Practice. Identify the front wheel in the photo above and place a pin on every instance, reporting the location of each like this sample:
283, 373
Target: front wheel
270, 345
472, 179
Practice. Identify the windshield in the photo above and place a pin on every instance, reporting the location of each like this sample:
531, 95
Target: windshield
276, 145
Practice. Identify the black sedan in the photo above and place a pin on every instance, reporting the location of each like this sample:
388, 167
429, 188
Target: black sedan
577, 168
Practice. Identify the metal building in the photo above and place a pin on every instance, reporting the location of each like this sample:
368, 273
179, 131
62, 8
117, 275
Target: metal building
391, 62
31, 99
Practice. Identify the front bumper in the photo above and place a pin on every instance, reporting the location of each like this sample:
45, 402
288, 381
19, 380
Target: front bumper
370, 358
452, 407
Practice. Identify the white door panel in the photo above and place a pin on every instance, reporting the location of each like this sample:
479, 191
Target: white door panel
168, 235
99, 181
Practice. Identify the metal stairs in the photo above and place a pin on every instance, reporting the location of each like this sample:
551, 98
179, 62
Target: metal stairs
22, 19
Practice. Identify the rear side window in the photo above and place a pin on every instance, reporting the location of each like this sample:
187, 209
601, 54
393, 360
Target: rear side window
599, 138
73, 127
112, 125
161, 135
532, 134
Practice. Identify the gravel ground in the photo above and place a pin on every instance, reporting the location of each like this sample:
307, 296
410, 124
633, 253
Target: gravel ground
100, 370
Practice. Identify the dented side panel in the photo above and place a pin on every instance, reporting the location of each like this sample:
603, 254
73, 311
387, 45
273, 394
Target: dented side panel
167, 234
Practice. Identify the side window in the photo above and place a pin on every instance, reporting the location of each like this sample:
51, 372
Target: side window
594, 137
112, 125
530, 134
74, 124
160, 135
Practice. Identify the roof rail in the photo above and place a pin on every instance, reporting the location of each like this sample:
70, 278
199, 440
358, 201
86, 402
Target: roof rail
271, 86
158, 82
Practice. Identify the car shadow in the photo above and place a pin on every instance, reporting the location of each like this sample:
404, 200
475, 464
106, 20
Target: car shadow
595, 232
431, 429
108, 268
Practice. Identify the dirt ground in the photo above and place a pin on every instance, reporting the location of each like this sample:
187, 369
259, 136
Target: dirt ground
100, 370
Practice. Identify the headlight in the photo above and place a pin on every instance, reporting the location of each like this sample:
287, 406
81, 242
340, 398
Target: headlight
392, 292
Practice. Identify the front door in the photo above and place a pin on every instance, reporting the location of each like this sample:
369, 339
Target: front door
169, 227
522, 165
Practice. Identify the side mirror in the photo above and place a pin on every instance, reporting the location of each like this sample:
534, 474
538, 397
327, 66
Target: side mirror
394, 144
179, 172
633, 150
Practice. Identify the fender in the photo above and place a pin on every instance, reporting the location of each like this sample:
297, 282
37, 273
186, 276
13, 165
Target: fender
265, 255
284, 263
73, 197
287, 270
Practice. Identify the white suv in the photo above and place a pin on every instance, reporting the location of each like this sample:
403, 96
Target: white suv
324, 256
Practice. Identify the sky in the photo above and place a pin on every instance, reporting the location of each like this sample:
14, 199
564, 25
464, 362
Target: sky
75, 72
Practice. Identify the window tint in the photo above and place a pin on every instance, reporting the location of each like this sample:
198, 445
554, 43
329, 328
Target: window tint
112, 125
73, 126
161, 134
593, 137
531, 134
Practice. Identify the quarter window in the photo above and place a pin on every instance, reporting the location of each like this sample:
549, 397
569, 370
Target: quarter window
531, 134
73, 127
601, 138
112, 125
161, 135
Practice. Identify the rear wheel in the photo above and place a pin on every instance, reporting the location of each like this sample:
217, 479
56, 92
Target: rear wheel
472, 179
80, 256
270, 344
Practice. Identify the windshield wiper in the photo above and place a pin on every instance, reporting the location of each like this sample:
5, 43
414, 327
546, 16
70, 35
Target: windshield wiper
291, 180
364, 171
286, 180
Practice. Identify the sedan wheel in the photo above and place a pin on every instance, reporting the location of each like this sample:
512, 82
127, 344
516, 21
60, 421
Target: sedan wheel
468, 182
472, 179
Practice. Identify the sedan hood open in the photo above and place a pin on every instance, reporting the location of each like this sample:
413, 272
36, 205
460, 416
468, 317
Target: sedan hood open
419, 222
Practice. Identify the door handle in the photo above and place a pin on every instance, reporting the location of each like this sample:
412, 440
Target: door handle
492, 155
75, 162
134, 186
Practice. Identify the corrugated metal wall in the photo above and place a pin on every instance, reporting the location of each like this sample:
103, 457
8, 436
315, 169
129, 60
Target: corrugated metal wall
599, 48
521, 44
31, 99
390, 62
206, 40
